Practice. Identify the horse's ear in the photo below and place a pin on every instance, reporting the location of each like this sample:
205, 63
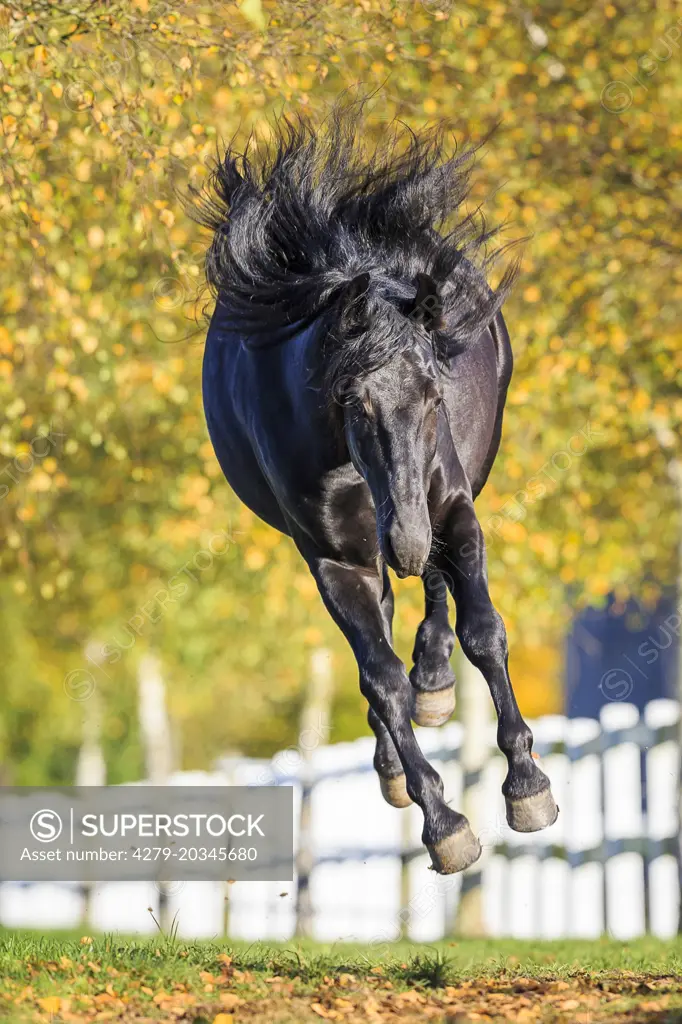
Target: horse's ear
428, 304
355, 288
352, 312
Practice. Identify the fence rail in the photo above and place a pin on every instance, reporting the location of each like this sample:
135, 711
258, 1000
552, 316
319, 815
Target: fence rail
609, 863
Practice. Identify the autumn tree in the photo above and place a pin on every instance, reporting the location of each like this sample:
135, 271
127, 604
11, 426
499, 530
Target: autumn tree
118, 529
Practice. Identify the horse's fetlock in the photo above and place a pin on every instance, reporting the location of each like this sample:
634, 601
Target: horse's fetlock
516, 743
424, 638
440, 822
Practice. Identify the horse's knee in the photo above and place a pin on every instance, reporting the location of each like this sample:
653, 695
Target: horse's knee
483, 638
384, 684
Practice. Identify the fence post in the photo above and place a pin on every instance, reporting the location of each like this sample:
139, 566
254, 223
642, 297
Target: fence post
661, 780
474, 713
405, 886
313, 730
623, 824
675, 470
667, 441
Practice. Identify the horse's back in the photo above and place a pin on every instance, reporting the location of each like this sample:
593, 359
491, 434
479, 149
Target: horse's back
504, 360
227, 392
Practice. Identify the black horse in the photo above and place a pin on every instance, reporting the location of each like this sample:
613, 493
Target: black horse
355, 376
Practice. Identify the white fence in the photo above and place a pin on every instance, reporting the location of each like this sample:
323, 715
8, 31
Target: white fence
609, 863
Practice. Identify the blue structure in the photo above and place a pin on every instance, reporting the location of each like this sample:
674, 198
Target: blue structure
621, 655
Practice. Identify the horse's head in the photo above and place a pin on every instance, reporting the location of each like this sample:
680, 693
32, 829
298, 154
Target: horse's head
390, 418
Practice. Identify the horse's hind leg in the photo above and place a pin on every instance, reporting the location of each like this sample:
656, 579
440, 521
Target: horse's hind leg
387, 765
481, 632
353, 596
432, 678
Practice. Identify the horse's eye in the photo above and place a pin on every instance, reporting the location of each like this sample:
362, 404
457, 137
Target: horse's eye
366, 407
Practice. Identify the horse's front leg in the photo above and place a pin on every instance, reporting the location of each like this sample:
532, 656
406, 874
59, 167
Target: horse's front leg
432, 678
353, 596
387, 764
481, 632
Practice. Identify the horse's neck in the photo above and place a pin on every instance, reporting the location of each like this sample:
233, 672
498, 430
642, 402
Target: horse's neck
262, 339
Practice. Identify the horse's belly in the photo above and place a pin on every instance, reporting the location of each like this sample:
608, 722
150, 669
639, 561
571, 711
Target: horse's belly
244, 476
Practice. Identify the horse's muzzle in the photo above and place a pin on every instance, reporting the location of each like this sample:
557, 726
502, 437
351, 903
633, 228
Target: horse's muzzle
406, 550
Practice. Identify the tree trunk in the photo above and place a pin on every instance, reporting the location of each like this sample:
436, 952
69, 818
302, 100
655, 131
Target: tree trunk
156, 740
313, 731
154, 722
91, 769
474, 714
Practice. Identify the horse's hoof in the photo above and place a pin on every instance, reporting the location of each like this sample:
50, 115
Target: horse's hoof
455, 852
532, 813
394, 791
433, 707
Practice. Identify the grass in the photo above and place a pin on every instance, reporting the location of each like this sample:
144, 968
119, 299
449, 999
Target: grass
79, 978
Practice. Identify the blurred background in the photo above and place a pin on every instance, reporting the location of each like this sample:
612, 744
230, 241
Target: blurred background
149, 623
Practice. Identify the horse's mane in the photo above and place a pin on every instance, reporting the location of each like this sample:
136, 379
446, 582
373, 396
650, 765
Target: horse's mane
294, 221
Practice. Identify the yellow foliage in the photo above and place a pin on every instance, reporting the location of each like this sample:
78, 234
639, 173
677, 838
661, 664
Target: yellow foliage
100, 269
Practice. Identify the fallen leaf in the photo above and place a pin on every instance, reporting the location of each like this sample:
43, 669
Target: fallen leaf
411, 997
230, 1001
51, 1004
